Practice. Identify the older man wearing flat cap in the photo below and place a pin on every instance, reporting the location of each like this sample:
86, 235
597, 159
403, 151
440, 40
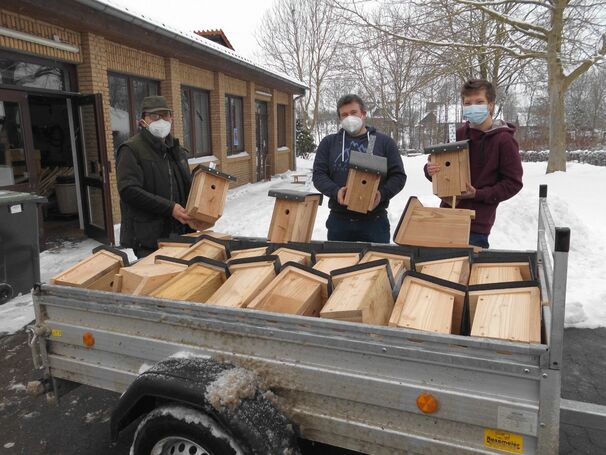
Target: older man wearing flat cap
153, 181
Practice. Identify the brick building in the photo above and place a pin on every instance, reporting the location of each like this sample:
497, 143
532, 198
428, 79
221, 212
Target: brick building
72, 78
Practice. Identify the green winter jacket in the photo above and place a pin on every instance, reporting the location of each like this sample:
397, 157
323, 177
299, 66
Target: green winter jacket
152, 176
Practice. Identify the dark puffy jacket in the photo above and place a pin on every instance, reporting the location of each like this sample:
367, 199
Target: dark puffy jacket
496, 171
152, 176
331, 167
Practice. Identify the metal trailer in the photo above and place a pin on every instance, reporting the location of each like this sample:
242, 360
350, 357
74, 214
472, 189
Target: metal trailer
345, 384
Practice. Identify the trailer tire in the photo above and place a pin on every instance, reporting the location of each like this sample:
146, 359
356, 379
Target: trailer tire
176, 430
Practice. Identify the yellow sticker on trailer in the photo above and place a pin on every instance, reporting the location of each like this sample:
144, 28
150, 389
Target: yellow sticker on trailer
503, 440
56, 333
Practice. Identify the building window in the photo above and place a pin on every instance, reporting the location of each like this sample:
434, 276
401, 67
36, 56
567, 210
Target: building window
25, 71
196, 121
126, 95
281, 122
234, 118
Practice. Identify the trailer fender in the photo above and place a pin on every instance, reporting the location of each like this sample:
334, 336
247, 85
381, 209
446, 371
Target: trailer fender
230, 395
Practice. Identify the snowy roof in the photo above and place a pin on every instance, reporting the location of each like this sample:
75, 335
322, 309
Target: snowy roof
122, 11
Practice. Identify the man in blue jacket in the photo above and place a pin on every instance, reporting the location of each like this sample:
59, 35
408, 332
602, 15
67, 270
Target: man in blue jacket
331, 168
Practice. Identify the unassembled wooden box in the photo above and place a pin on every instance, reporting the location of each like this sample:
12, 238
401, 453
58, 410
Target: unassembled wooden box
432, 226
362, 293
248, 278
499, 272
426, 304
454, 174
144, 279
296, 290
327, 262
196, 283
94, 272
450, 269
207, 196
294, 216
247, 253
363, 178
292, 255
399, 263
508, 314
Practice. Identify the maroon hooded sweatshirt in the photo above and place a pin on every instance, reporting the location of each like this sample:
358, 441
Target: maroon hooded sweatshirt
496, 171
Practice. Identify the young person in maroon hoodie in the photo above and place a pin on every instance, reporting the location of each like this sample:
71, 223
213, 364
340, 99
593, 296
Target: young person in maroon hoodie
494, 159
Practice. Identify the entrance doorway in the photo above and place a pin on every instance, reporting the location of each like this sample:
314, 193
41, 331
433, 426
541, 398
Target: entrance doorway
261, 122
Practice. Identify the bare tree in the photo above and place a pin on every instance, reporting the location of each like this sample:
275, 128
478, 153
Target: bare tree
569, 36
301, 38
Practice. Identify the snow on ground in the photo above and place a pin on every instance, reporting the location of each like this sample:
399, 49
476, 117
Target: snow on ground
575, 198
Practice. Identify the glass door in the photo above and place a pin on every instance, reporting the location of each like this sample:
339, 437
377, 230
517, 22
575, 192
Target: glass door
261, 121
17, 168
94, 169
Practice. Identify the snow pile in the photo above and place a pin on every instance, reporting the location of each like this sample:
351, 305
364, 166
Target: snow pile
231, 387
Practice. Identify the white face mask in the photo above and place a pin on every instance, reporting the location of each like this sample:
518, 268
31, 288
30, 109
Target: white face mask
352, 124
160, 128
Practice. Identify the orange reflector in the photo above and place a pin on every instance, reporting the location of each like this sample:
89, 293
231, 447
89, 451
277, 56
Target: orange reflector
88, 339
427, 403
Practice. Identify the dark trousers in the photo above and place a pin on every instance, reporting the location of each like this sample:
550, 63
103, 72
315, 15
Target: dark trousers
480, 240
345, 228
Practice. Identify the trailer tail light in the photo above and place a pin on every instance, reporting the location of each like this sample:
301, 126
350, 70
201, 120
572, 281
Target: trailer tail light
88, 339
427, 403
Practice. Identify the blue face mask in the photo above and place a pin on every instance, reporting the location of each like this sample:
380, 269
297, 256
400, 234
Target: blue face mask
476, 113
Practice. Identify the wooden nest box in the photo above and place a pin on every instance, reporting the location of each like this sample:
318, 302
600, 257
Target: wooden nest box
454, 174
294, 216
207, 196
365, 172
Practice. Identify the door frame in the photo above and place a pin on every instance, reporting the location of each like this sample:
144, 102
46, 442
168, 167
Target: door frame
262, 126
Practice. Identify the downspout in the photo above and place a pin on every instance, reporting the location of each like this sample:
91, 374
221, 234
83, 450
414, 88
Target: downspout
294, 128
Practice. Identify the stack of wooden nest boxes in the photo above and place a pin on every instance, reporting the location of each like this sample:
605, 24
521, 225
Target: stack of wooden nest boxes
437, 284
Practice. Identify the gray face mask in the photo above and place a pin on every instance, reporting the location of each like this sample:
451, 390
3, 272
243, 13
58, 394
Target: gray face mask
352, 124
160, 128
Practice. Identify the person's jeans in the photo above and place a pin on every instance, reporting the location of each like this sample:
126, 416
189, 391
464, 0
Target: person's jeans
480, 240
342, 227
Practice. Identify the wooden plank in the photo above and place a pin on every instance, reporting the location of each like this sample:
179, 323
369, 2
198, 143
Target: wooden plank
247, 253
174, 251
194, 284
245, 283
290, 255
293, 291
452, 269
94, 272
361, 189
144, 279
464, 169
397, 262
205, 248
327, 262
361, 296
486, 273
506, 314
423, 305
215, 234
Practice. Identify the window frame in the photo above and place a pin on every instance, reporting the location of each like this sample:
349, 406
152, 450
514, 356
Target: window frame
281, 125
70, 80
229, 119
191, 91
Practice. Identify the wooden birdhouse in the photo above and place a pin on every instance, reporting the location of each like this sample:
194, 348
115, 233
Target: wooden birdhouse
210, 233
143, 279
425, 304
294, 216
94, 272
327, 262
512, 314
362, 293
363, 178
399, 263
207, 247
171, 249
433, 226
247, 253
207, 196
248, 278
454, 175
499, 272
196, 283
291, 255
449, 269
296, 290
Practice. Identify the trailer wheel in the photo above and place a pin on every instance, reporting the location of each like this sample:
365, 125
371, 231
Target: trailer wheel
178, 430
6, 293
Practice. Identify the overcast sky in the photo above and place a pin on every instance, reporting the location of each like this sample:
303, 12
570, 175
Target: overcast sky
238, 18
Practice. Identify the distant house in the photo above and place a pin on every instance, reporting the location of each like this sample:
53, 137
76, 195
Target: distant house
433, 126
73, 75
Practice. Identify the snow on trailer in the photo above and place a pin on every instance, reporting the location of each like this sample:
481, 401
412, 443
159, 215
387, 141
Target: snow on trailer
375, 389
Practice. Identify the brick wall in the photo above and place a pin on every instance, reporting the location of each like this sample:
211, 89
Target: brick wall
126, 60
